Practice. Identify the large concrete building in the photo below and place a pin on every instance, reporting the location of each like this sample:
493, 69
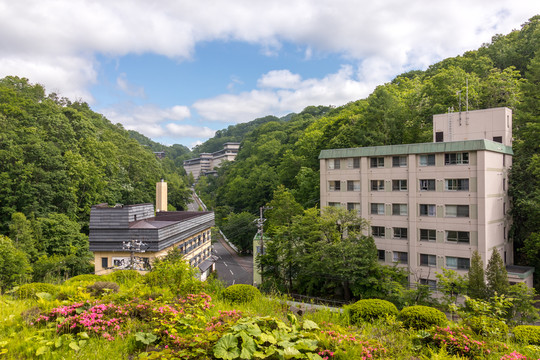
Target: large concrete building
207, 162
431, 205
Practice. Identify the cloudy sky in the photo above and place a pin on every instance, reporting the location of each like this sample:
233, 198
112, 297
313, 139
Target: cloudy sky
178, 70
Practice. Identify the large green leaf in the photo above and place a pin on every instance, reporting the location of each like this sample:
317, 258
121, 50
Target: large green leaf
227, 348
291, 353
306, 344
309, 325
248, 346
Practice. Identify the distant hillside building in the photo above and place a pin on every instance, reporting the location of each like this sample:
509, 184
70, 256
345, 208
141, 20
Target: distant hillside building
116, 231
206, 162
431, 205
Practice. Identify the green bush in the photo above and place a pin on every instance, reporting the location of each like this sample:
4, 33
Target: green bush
174, 273
83, 277
241, 293
29, 291
487, 326
124, 276
102, 287
422, 317
371, 309
527, 334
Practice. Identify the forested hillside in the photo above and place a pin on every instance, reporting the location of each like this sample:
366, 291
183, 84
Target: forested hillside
57, 159
505, 72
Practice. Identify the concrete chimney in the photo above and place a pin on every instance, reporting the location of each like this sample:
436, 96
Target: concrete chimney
161, 196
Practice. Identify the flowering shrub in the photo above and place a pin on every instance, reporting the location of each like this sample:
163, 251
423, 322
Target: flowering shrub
339, 341
514, 356
460, 341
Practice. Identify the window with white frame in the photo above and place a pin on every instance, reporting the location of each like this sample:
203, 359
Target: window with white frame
428, 235
377, 209
456, 158
378, 231
353, 206
456, 184
428, 210
428, 260
399, 209
334, 204
334, 164
401, 257
457, 210
427, 184
399, 161
377, 185
400, 233
121, 262
353, 185
427, 160
353, 163
376, 162
399, 185
334, 185
458, 236
458, 263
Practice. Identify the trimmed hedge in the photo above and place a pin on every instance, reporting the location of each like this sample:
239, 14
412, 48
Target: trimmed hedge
371, 309
240, 293
527, 334
488, 327
124, 276
422, 317
29, 291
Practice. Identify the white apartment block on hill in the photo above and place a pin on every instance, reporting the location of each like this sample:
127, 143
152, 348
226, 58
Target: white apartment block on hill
431, 205
206, 162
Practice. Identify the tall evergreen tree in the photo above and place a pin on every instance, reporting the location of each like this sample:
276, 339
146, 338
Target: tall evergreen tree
477, 282
497, 277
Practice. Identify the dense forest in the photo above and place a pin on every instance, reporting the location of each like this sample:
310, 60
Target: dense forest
504, 72
57, 159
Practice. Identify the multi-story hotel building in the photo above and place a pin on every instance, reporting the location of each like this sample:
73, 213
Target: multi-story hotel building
431, 205
206, 162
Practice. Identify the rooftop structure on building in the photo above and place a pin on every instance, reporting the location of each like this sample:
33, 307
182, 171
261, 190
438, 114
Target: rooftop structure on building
207, 162
131, 236
430, 205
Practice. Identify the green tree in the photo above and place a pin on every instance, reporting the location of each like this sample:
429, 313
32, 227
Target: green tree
496, 275
240, 230
477, 281
22, 234
452, 285
14, 266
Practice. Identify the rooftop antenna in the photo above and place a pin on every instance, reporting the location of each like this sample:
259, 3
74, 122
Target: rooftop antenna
459, 93
467, 101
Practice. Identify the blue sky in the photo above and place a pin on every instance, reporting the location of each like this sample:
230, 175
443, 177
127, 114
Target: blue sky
177, 71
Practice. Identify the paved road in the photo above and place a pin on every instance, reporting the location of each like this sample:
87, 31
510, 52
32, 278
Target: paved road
228, 269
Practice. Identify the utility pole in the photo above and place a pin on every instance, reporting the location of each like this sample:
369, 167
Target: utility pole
260, 225
134, 246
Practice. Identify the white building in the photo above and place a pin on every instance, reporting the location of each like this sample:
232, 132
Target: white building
431, 205
207, 162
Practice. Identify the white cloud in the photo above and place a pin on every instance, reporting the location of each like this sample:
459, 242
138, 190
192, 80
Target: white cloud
284, 92
190, 131
128, 88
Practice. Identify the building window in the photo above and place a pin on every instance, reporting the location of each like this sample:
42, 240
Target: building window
381, 255
427, 185
378, 231
504, 184
104, 263
458, 263
400, 233
353, 185
457, 211
504, 208
456, 158
399, 185
354, 163
497, 139
439, 136
377, 209
399, 161
334, 204
334, 164
377, 185
353, 206
457, 184
428, 235
377, 162
427, 160
431, 283
401, 257
428, 260
399, 209
427, 210
121, 262
334, 185
458, 236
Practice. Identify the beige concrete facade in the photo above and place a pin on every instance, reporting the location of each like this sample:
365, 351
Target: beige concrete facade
431, 205
207, 162
161, 196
